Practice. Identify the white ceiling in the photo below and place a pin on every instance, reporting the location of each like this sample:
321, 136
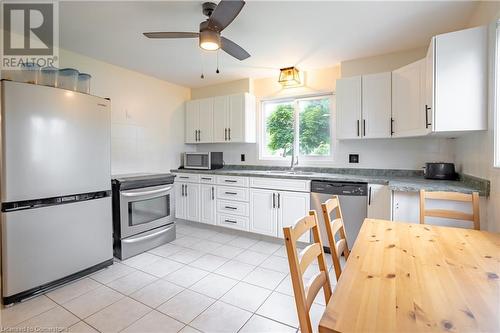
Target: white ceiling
277, 34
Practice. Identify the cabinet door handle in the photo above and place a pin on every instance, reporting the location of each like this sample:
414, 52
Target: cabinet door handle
184, 177
230, 221
274, 200
357, 127
213, 195
186, 190
392, 126
364, 127
199, 135
182, 190
427, 109
232, 193
229, 134
205, 178
369, 196
279, 200
229, 207
225, 134
230, 181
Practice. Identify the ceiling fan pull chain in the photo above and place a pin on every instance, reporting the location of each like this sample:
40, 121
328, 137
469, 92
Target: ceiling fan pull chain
217, 71
202, 66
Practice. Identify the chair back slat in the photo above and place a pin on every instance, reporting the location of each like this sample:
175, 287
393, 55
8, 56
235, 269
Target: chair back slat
340, 247
309, 254
334, 227
450, 214
304, 296
313, 288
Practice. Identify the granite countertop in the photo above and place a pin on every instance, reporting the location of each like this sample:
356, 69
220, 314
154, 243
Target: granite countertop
397, 180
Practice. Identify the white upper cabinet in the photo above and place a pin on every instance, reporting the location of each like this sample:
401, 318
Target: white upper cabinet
376, 105
408, 100
192, 121
206, 116
225, 119
364, 106
348, 101
444, 93
221, 112
458, 92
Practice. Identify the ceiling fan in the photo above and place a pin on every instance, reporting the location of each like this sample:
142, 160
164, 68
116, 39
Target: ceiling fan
219, 17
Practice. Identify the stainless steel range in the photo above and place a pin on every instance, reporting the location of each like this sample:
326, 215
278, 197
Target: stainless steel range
143, 213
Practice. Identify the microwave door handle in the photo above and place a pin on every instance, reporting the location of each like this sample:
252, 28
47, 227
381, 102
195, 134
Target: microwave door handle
139, 194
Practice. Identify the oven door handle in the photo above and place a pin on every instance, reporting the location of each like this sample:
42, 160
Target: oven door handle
143, 193
143, 238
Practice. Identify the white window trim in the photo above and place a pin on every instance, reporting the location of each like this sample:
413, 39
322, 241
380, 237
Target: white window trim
302, 158
496, 99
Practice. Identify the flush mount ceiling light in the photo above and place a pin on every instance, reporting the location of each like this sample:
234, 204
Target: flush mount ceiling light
289, 77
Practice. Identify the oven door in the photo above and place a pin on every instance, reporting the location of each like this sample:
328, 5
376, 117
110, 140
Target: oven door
197, 160
146, 208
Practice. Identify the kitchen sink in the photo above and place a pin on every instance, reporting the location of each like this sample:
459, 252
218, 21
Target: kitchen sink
287, 172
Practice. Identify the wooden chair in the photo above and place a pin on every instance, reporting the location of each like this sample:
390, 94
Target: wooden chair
332, 228
450, 214
299, 262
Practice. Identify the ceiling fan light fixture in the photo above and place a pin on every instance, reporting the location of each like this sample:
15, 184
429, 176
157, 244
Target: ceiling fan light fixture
209, 40
289, 77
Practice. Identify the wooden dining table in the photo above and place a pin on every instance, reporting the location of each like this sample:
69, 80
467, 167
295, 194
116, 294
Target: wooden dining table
403, 277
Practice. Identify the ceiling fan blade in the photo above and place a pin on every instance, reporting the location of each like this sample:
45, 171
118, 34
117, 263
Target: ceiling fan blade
233, 49
171, 34
225, 12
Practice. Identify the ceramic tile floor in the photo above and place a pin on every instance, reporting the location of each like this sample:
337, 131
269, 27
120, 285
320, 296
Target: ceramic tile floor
209, 279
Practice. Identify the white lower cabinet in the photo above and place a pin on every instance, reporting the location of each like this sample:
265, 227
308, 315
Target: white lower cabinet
263, 214
207, 204
291, 207
232, 221
187, 201
260, 210
379, 202
270, 211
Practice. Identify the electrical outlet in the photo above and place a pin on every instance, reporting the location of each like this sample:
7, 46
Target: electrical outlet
243, 157
353, 158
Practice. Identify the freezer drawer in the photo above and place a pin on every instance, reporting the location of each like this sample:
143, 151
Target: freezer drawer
45, 244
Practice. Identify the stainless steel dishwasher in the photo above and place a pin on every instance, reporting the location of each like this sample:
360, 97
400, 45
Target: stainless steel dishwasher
353, 202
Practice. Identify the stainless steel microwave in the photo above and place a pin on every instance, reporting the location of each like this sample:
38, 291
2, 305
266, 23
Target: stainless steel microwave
205, 161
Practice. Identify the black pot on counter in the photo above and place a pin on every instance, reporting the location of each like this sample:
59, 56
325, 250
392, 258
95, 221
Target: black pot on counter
440, 170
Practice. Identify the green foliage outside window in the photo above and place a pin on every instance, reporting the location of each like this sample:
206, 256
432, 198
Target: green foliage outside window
314, 128
280, 129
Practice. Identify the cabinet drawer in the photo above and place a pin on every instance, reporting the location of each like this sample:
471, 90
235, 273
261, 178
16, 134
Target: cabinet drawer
232, 221
232, 181
232, 193
187, 177
207, 179
282, 184
233, 207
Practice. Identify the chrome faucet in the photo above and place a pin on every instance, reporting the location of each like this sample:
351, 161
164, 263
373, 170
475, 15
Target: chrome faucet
295, 159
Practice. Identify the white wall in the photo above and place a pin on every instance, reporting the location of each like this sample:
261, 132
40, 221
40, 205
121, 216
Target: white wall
146, 115
474, 152
380, 154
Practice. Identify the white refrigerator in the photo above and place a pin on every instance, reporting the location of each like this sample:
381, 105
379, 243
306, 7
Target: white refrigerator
56, 222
